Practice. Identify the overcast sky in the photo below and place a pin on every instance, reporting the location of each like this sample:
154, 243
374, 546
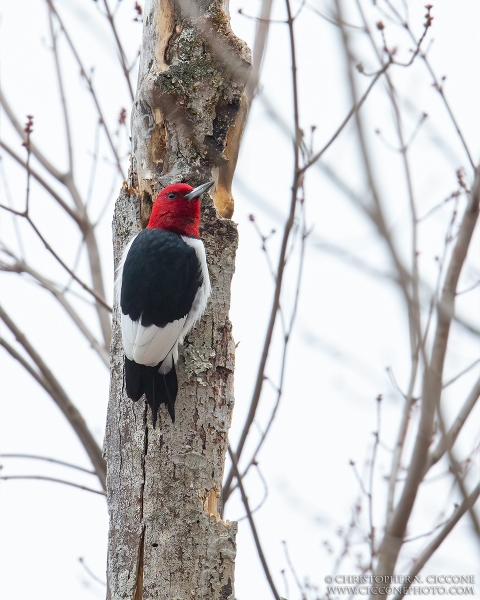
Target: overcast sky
351, 325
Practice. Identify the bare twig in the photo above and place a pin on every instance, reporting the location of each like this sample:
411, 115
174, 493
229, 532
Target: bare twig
259, 46
55, 480
314, 239
431, 389
281, 261
460, 481
427, 553
370, 482
28, 130
8, 195
375, 212
81, 560
293, 571
453, 196
427, 534
80, 217
462, 373
347, 536
287, 336
393, 538
26, 365
456, 468
448, 440
46, 378
439, 88
88, 289
121, 51
246, 504
401, 21
90, 87
48, 459
20, 266
346, 120
413, 304
403, 277
265, 493
35, 151
331, 20
61, 89
71, 213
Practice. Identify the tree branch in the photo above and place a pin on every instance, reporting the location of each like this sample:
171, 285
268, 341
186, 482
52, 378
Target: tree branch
345, 121
97, 297
58, 394
33, 148
48, 459
90, 87
431, 389
287, 336
121, 51
66, 119
246, 504
447, 441
71, 213
259, 46
20, 266
439, 538
281, 261
55, 480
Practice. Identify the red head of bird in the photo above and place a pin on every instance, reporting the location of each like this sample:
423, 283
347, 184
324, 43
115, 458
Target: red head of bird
177, 209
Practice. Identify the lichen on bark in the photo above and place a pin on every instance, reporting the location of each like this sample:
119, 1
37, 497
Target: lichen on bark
167, 540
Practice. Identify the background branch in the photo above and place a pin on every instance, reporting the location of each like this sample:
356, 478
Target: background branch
51, 385
253, 528
54, 480
427, 553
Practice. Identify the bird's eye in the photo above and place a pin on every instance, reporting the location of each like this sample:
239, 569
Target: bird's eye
171, 196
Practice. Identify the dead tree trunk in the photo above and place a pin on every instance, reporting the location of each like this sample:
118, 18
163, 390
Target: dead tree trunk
167, 539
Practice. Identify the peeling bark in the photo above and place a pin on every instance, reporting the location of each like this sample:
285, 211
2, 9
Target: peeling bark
167, 540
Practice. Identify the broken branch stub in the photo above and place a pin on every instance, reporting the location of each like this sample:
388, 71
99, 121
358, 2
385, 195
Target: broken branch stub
167, 539
189, 111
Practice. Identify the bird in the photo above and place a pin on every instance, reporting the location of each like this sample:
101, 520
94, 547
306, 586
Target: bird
162, 288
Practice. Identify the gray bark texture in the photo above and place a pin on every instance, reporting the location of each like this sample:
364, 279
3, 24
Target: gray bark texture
167, 540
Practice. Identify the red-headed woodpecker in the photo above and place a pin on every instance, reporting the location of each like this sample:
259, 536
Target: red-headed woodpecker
163, 288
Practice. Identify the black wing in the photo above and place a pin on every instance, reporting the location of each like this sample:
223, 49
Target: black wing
161, 276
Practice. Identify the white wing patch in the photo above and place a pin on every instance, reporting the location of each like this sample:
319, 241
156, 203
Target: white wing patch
119, 273
149, 345
201, 297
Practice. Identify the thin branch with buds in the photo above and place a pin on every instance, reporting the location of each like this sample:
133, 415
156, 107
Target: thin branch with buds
281, 261
81, 219
437, 85
414, 304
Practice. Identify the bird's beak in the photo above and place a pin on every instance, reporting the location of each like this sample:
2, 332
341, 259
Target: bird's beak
198, 191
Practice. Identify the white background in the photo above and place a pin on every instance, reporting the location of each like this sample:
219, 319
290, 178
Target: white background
350, 326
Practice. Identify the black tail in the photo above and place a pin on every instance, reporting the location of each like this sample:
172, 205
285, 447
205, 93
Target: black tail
158, 388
